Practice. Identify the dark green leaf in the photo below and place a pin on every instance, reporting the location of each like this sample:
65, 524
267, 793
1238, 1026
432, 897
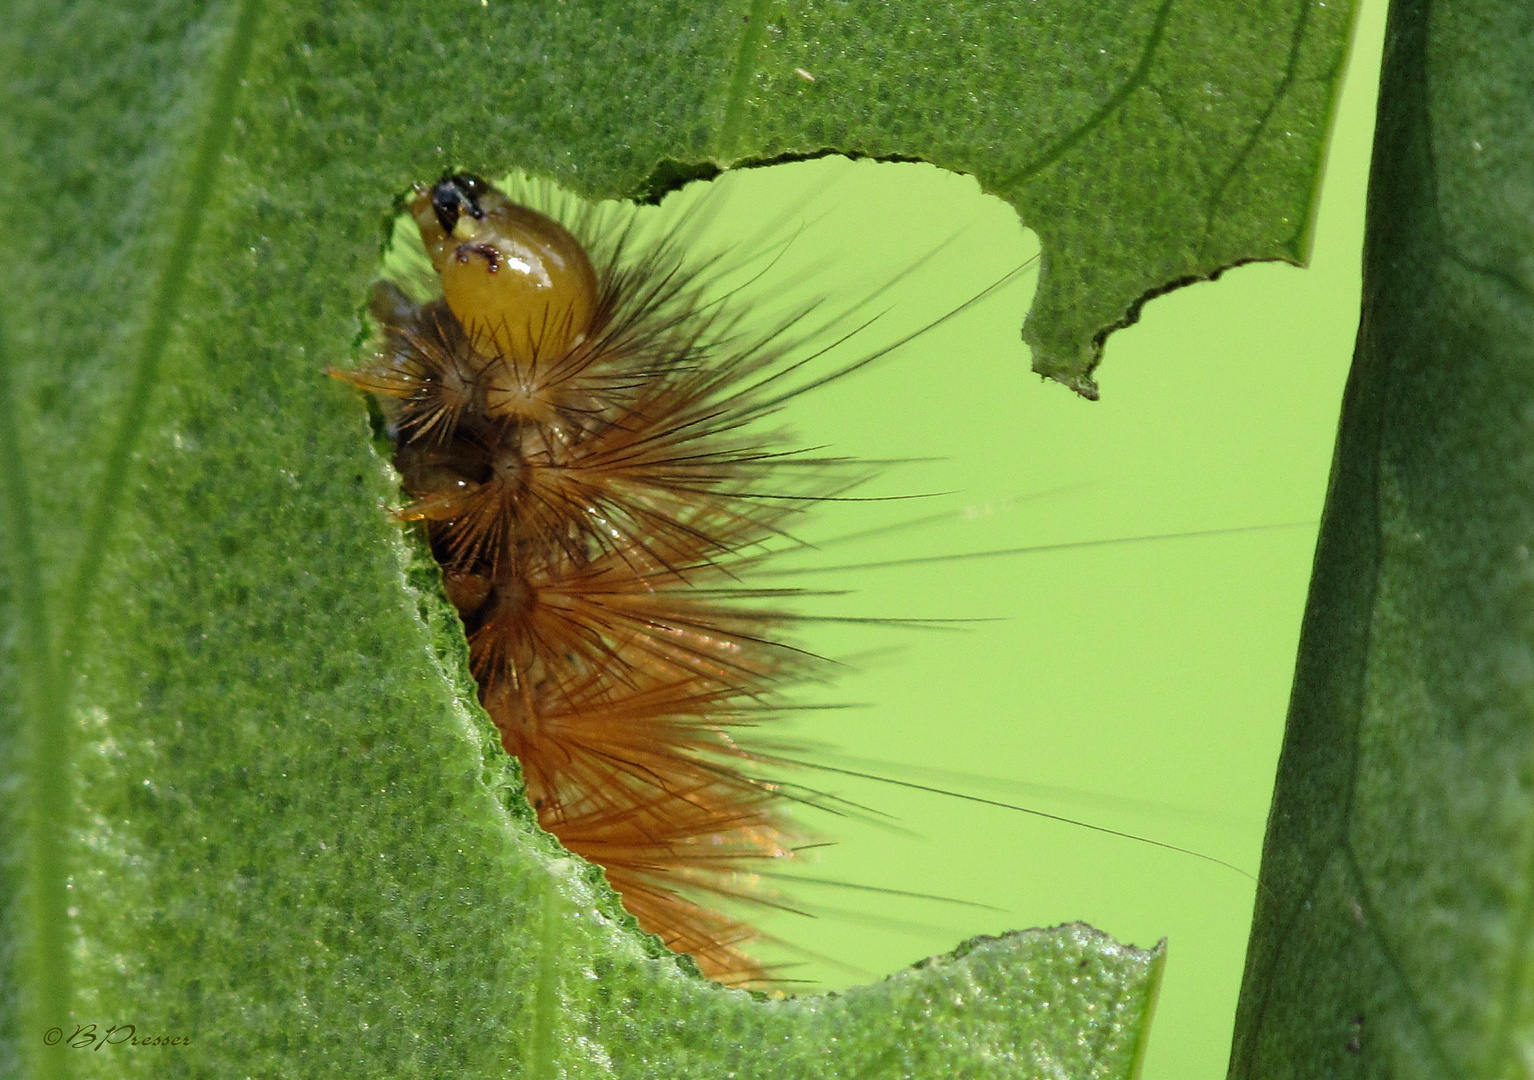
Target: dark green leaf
1393, 932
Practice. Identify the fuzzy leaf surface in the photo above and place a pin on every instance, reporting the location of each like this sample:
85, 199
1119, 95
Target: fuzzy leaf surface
247, 792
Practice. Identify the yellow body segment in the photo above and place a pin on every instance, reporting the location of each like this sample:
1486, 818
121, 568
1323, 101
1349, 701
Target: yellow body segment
518, 281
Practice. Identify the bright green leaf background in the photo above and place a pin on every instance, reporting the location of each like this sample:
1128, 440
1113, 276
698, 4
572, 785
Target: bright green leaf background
1140, 686
290, 837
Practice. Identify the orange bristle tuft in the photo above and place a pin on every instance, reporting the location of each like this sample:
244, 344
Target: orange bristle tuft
577, 437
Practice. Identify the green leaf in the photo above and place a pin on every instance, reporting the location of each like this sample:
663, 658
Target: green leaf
249, 800
1393, 931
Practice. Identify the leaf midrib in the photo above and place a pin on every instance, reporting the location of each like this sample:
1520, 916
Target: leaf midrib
46, 682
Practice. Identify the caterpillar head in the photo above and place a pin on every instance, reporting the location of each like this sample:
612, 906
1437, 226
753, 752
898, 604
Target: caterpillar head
519, 282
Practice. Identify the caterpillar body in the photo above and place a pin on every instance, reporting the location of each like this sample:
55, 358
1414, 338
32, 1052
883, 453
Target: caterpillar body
576, 425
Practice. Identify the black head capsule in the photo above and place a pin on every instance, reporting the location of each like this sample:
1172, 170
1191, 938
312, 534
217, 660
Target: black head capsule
454, 196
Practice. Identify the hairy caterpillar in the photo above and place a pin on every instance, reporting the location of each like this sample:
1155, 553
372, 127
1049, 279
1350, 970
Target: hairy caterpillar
948, 420
574, 421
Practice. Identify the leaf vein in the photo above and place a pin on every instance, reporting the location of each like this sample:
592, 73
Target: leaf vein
45, 742
740, 78
1136, 79
162, 313
1374, 927
1291, 68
